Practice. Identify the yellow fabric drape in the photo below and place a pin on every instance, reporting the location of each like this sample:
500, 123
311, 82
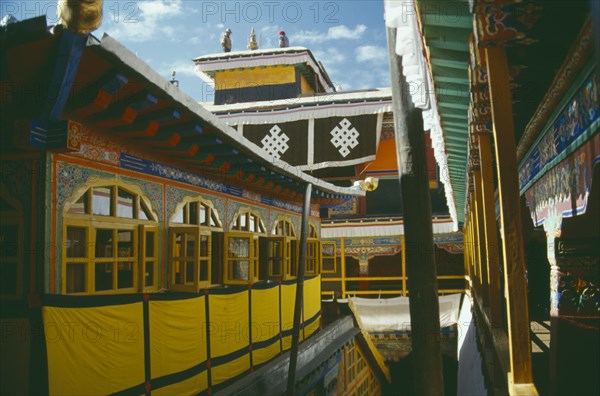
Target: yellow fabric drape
177, 335
228, 323
94, 351
265, 323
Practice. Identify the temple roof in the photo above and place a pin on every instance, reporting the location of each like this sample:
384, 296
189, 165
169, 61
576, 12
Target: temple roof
368, 101
300, 57
115, 93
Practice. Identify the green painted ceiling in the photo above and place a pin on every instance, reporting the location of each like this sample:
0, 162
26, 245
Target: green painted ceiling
446, 30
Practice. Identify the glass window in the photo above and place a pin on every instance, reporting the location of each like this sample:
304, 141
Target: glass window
192, 213
76, 278
104, 243
103, 276
81, 206
125, 202
328, 257
101, 201
76, 242
102, 254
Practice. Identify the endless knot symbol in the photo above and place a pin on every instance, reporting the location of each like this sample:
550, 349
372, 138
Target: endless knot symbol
275, 144
344, 138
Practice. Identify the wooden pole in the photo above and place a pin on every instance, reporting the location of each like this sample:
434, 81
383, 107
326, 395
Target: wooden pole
510, 218
491, 233
404, 278
343, 264
418, 233
299, 291
480, 249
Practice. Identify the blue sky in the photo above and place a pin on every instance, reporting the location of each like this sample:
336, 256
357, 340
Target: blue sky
347, 36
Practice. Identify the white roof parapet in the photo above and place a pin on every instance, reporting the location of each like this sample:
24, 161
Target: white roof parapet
402, 15
381, 229
266, 57
316, 106
145, 72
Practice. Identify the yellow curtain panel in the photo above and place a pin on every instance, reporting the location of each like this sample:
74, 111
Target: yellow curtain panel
94, 351
265, 324
177, 335
312, 305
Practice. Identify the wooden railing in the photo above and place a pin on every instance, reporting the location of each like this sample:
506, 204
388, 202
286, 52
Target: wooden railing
402, 291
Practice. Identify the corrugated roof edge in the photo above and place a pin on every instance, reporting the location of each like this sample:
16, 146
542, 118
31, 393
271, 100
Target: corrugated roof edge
145, 72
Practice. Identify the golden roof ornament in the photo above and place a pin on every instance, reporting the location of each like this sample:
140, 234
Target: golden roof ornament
82, 16
252, 44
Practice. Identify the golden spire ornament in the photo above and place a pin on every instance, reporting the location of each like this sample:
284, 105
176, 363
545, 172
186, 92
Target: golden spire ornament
252, 44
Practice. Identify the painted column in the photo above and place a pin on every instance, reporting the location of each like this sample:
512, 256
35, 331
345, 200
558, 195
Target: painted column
574, 310
510, 219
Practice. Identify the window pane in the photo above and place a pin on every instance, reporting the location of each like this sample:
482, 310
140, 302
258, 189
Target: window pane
190, 245
125, 239
178, 218
104, 276
145, 212
150, 236
104, 243
193, 213
178, 268
124, 275
244, 221
189, 272
178, 248
125, 204
203, 273
80, 207
101, 197
252, 223
213, 219
328, 265
204, 240
76, 242
8, 278
76, 278
239, 247
203, 216
240, 270
149, 274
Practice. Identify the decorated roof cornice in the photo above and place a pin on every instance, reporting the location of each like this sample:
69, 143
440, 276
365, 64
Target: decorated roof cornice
504, 22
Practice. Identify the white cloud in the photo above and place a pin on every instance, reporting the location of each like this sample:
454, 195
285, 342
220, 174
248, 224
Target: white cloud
147, 22
341, 32
183, 67
194, 40
330, 56
220, 25
371, 53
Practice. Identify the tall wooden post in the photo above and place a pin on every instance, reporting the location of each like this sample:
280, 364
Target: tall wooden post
343, 265
418, 233
480, 249
299, 291
491, 233
404, 278
510, 219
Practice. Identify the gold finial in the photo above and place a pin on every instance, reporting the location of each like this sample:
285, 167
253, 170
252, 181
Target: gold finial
80, 16
369, 184
252, 44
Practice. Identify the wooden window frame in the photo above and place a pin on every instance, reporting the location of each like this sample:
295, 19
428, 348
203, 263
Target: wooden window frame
334, 257
91, 222
252, 259
197, 259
